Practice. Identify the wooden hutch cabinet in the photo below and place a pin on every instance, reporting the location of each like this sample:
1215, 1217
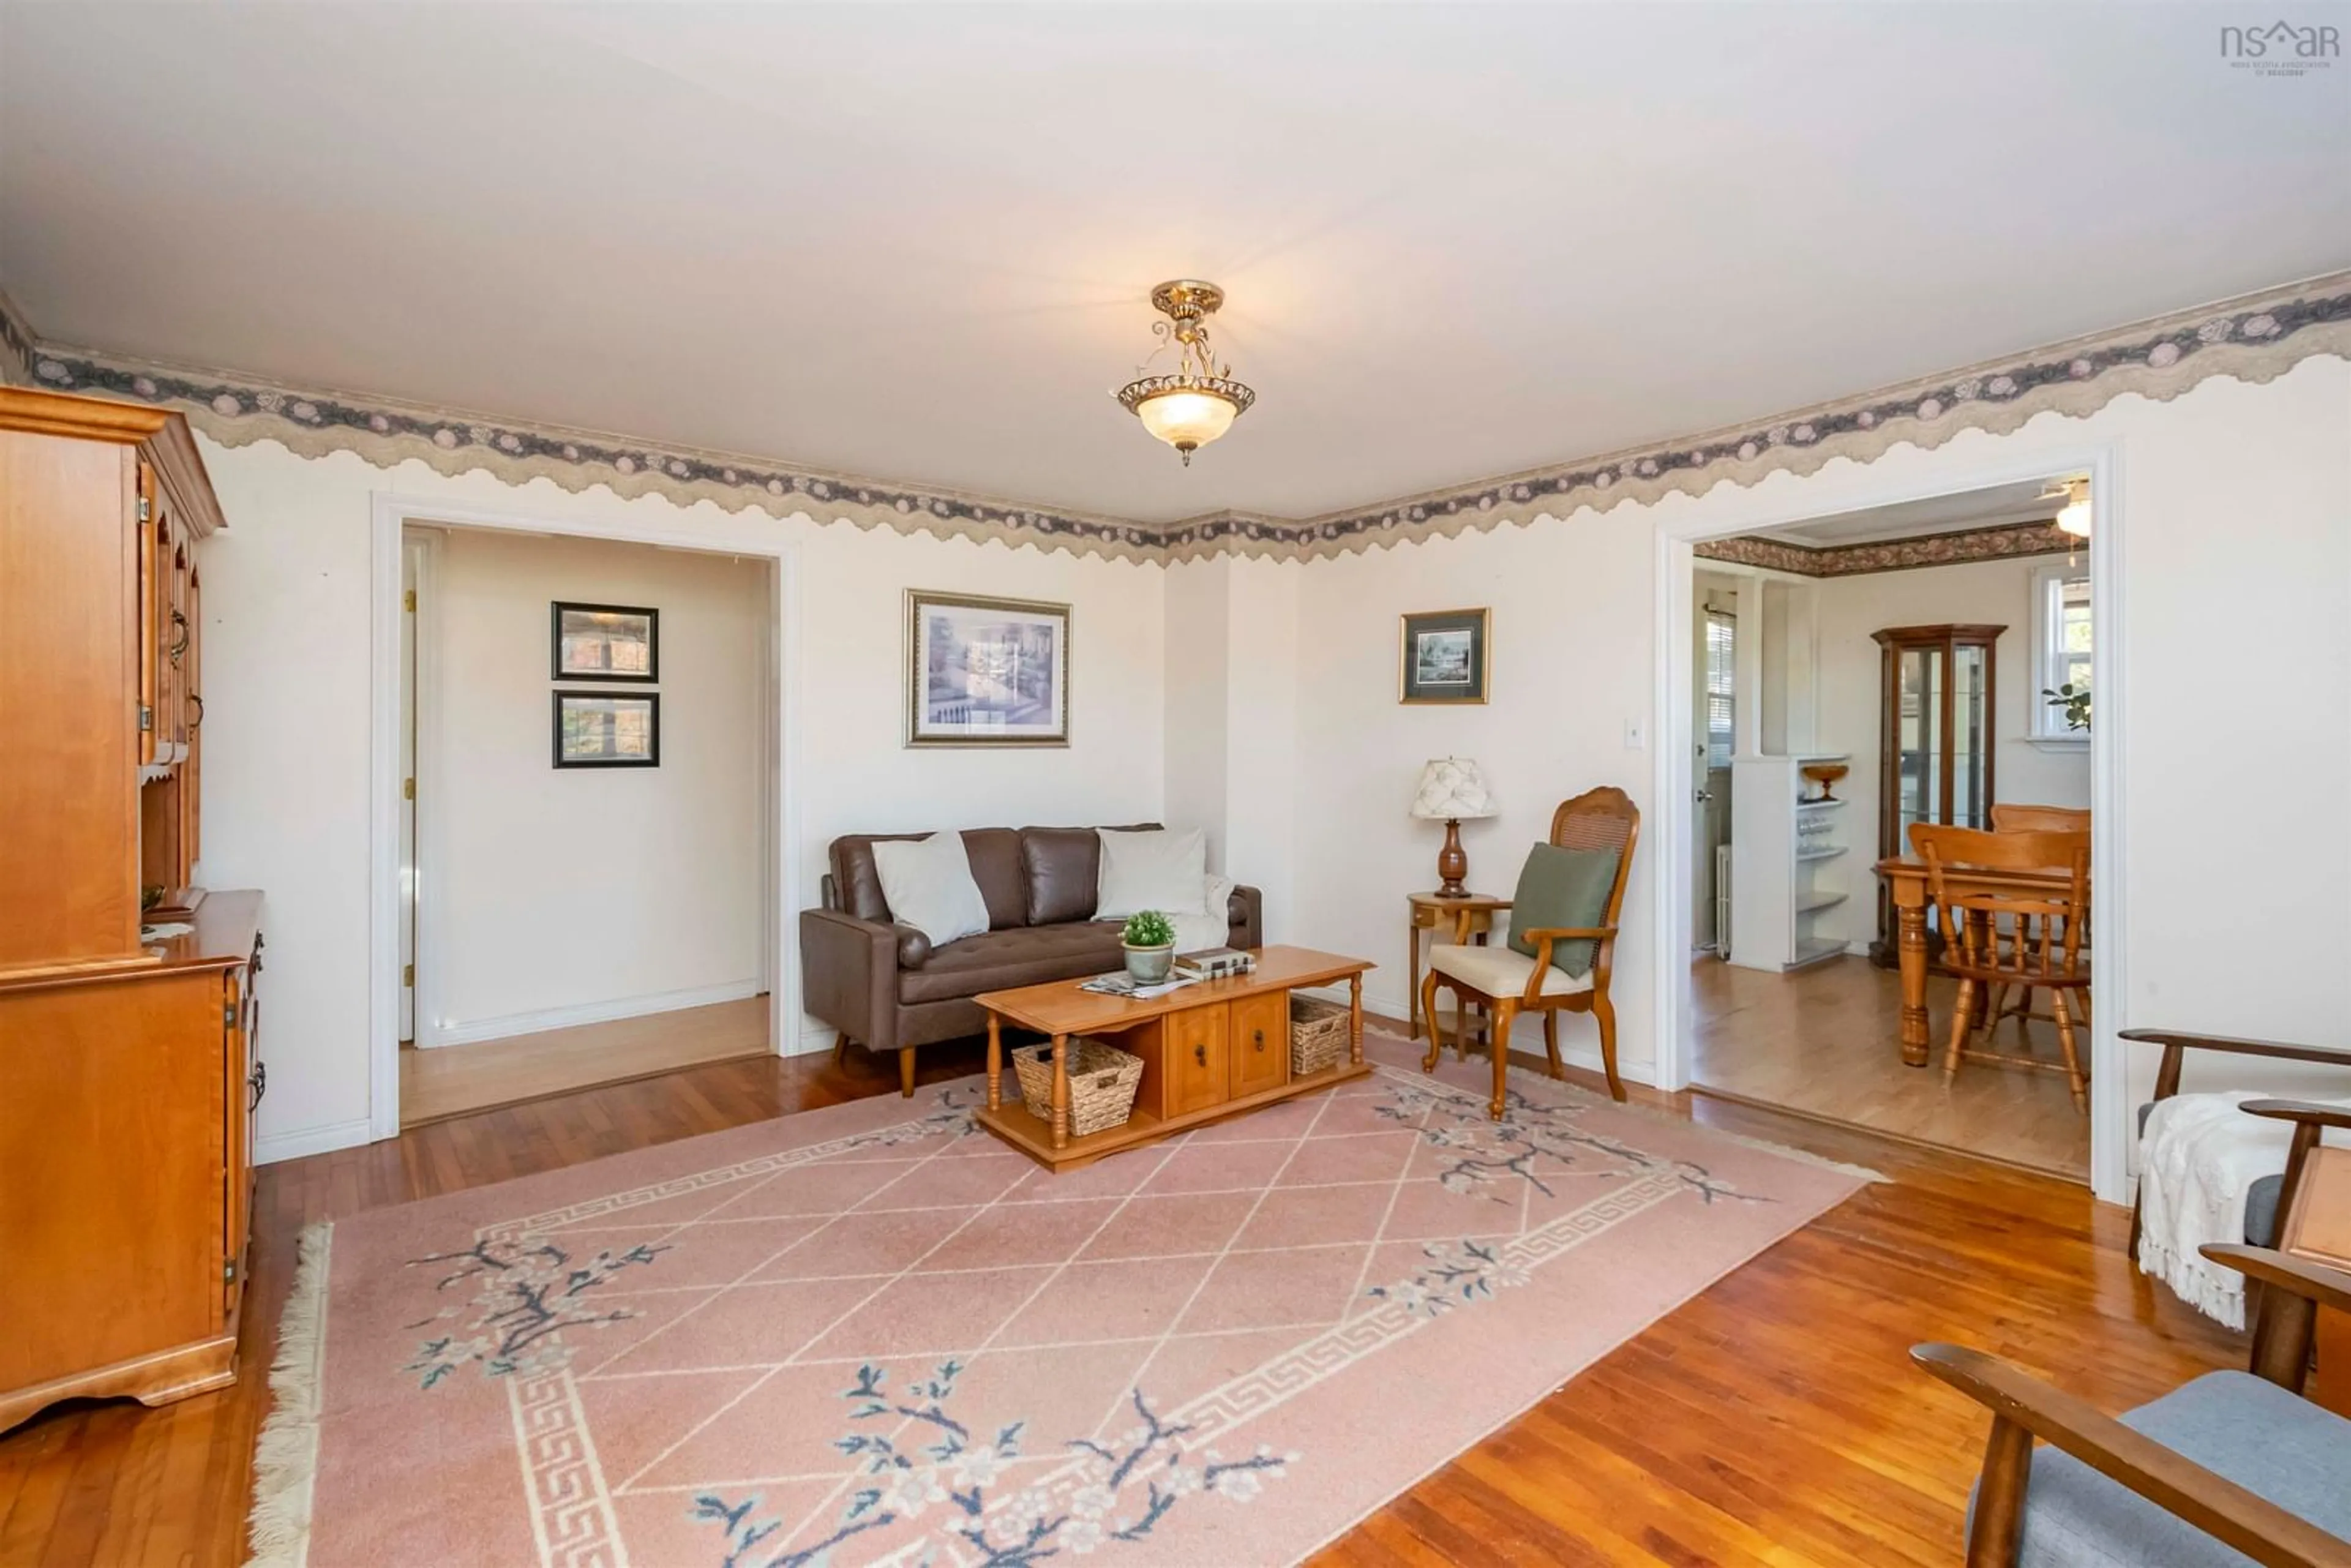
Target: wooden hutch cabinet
1935, 741
129, 1064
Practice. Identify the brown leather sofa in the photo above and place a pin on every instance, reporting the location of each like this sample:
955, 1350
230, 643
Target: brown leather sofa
884, 987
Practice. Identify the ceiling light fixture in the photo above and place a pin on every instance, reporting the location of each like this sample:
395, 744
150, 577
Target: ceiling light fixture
2074, 516
1199, 401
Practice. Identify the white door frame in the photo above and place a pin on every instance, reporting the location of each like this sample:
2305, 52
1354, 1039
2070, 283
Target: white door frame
1771, 507
754, 534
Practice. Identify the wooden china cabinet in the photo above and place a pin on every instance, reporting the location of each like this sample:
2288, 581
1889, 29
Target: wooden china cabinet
128, 1065
1935, 741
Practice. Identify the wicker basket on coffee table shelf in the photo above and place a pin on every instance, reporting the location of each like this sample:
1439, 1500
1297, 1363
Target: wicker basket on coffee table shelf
1319, 1032
1103, 1081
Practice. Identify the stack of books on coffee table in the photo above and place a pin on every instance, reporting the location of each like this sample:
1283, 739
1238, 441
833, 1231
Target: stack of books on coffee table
1214, 963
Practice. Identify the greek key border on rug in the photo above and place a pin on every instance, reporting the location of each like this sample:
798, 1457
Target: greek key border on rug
570, 1505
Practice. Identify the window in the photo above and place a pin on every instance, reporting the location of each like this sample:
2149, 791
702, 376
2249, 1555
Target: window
2061, 648
1720, 661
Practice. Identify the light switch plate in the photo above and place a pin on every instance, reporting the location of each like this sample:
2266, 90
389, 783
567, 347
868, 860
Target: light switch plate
1634, 739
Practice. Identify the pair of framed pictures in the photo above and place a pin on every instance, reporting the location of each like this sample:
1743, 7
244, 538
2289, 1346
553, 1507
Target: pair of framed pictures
986, 671
1443, 658
612, 644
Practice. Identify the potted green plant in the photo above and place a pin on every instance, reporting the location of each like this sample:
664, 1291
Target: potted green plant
2074, 700
1150, 938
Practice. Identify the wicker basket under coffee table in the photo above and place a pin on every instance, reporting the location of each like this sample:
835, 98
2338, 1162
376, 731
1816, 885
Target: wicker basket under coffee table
1208, 1051
1102, 1080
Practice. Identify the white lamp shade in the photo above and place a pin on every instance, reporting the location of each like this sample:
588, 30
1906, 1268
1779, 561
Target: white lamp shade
1450, 787
2074, 517
1188, 419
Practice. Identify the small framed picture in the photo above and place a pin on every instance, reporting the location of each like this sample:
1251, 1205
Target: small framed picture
608, 729
607, 643
1443, 658
986, 671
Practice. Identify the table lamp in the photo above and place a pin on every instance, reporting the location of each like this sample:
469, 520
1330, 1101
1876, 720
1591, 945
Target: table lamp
1452, 789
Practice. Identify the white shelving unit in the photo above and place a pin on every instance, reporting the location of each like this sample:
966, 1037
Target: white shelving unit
1791, 862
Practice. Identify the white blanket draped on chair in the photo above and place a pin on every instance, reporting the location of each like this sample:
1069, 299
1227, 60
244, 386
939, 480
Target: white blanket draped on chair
2199, 1156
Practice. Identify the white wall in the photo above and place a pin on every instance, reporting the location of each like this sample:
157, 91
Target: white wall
2235, 891
287, 645
1851, 706
553, 889
1570, 664
1200, 689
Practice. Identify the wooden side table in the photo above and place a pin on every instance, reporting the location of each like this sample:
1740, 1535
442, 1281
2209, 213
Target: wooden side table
1457, 920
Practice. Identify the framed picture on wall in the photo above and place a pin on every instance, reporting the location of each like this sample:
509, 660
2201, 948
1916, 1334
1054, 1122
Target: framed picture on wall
986, 671
607, 643
608, 729
1443, 657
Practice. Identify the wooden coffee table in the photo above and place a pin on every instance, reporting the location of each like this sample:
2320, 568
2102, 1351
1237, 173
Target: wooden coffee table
1209, 1051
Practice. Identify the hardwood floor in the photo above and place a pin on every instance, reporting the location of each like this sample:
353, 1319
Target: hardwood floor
451, 1080
1772, 1419
1822, 1041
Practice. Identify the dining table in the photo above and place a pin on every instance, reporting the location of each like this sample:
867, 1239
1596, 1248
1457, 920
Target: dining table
1905, 877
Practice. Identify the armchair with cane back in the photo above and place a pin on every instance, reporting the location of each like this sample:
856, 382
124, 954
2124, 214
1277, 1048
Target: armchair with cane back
1995, 937
1548, 969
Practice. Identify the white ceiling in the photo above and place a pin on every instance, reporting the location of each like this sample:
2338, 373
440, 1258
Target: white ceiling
1985, 508
916, 243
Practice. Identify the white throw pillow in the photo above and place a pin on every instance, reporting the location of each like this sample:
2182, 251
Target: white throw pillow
1160, 870
928, 885
1211, 928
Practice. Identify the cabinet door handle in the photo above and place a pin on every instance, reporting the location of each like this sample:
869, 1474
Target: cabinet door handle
196, 719
1260, 1040
179, 644
1200, 1054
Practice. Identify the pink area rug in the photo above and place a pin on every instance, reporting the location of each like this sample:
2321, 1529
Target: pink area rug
872, 1334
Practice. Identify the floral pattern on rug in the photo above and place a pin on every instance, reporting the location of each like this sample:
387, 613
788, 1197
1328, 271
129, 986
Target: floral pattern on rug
1120, 1491
1484, 1154
872, 1334
528, 1296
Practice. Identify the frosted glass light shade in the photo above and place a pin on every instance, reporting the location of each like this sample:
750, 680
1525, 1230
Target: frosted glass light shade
2073, 518
1452, 787
1186, 420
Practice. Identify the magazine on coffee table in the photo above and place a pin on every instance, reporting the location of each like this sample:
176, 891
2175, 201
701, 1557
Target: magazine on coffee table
1125, 984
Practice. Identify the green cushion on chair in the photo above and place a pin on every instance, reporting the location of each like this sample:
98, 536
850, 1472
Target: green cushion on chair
1563, 888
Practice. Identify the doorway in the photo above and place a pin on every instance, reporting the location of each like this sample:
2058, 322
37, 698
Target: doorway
1892, 660
562, 911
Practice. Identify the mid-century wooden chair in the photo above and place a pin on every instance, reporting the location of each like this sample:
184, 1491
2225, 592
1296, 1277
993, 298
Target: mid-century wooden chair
2271, 1196
1996, 937
1509, 982
2023, 819
2232, 1466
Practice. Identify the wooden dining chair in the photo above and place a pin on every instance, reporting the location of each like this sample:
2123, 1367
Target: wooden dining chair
1508, 982
2025, 819
2021, 819
2010, 937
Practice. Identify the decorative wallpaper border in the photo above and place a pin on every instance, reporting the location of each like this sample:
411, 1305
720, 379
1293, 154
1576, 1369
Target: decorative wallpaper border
15, 345
2254, 339
2004, 541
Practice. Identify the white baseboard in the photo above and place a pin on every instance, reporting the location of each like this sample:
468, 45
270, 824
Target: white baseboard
815, 1037
304, 1141
429, 1038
